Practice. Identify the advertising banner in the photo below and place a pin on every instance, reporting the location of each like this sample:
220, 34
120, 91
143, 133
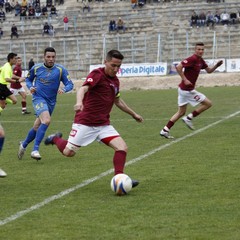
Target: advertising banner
233, 65
142, 69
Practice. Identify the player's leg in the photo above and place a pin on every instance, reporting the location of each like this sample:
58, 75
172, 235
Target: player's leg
4, 93
11, 99
30, 137
182, 107
196, 99
2, 137
120, 155
23, 94
165, 131
45, 120
80, 135
2, 104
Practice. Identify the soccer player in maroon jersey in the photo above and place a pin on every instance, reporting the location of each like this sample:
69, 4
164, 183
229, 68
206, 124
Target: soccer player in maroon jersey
189, 70
95, 100
17, 88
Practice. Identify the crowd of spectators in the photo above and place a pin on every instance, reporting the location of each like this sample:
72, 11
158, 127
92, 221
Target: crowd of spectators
209, 19
28, 9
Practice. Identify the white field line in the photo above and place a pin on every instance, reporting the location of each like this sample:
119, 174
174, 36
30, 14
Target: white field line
101, 175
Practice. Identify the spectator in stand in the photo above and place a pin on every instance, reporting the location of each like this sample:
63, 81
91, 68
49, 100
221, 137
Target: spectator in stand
8, 7
86, 5
210, 19
45, 11
225, 18
12, 4
46, 29
194, 20
233, 17
17, 9
53, 11
1, 32
134, 4
1, 4
61, 2
31, 12
112, 25
120, 25
217, 17
31, 64
23, 13
38, 11
14, 31
65, 23
49, 3
24, 3
141, 3
2, 15
51, 30
202, 19
36, 2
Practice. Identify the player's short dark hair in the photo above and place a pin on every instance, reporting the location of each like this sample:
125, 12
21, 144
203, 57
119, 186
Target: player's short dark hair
49, 49
114, 54
11, 56
199, 44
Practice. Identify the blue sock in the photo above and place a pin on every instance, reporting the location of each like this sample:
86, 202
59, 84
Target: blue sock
1, 143
30, 137
39, 136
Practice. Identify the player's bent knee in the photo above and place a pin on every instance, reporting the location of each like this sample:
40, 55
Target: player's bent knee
68, 153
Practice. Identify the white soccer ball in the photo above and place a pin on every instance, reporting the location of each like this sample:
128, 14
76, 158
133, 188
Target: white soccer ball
121, 184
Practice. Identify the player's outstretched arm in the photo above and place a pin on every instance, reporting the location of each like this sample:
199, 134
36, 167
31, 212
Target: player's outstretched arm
125, 108
212, 69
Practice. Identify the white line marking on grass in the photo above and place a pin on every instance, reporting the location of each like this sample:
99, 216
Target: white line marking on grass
101, 175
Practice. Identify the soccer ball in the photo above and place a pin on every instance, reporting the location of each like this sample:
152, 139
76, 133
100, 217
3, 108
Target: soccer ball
121, 184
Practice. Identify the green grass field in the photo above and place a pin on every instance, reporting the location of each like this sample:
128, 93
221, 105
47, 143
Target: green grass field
189, 187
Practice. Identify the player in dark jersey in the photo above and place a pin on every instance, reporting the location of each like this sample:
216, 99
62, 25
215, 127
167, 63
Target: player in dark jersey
17, 88
189, 70
95, 100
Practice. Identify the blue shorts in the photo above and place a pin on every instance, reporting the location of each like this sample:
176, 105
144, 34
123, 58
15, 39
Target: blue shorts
41, 105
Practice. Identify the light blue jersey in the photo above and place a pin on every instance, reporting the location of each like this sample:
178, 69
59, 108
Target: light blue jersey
47, 81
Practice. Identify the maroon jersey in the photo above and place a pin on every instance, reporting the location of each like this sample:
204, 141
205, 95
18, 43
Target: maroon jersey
192, 67
98, 101
18, 72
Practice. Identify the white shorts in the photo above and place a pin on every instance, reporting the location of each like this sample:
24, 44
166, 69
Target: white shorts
17, 91
192, 97
82, 135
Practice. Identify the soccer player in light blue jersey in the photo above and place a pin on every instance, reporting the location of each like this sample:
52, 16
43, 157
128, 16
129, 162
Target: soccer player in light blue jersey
43, 81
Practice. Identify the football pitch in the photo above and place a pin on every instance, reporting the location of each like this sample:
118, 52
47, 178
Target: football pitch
189, 186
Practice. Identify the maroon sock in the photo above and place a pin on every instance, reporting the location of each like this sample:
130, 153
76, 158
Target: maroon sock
195, 113
119, 160
24, 104
60, 143
170, 124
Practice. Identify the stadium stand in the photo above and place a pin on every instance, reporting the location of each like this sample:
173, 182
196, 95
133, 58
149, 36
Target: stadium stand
88, 32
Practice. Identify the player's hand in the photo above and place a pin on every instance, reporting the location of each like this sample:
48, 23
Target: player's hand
21, 79
219, 63
138, 118
33, 90
60, 91
187, 82
78, 107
